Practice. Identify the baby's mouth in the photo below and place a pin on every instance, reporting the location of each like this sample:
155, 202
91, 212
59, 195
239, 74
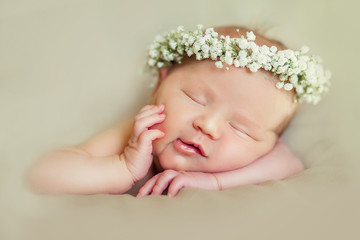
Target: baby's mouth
188, 148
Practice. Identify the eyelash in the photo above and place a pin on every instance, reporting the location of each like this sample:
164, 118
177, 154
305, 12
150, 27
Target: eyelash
194, 99
240, 131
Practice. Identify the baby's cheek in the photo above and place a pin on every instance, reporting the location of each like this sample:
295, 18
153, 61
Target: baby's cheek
160, 143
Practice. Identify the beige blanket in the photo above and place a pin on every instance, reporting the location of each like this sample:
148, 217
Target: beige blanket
69, 69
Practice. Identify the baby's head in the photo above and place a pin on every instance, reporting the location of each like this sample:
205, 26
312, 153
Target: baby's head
219, 119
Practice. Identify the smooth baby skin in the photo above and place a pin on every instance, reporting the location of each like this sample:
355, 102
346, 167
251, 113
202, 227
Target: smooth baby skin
217, 121
116, 159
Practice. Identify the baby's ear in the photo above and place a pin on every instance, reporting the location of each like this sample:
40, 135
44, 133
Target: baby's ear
163, 72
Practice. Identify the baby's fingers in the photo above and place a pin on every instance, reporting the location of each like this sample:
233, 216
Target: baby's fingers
148, 186
176, 185
164, 181
145, 123
146, 138
149, 110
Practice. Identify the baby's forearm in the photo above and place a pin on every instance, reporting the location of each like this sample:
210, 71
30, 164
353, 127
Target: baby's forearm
279, 164
73, 171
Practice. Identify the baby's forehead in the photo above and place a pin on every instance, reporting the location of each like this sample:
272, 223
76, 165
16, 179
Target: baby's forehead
205, 75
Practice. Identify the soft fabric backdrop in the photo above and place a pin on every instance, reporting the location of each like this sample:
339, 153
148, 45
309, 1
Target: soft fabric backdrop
70, 68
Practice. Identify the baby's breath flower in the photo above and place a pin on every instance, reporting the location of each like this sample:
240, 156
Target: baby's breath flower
294, 78
219, 64
151, 62
172, 44
250, 36
280, 85
243, 44
213, 56
236, 63
254, 67
205, 48
295, 70
288, 86
253, 47
180, 28
273, 49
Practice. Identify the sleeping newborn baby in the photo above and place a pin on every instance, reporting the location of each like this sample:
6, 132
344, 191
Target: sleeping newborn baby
222, 100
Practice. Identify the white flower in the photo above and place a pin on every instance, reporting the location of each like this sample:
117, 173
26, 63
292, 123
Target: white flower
282, 69
267, 67
294, 78
229, 61
280, 85
191, 40
242, 54
264, 49
236, 63
205, 48
213, 56
196, 48
299, 89
201, 40
283, 77
262, 59
243, 44
254, 67
288, 86
180, 28
282, 61
243, 62
219, 64
289, 54
180, 50
160, 64
172, 44
250, 36
209, 31
154, 53
273, 49
253, 47
189, 52
151, 62
309, 90
303, 73
227, 39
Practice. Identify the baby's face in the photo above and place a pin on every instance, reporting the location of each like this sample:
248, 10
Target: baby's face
217, 120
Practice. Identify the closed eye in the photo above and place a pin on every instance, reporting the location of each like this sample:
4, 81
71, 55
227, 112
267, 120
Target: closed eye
194, 98
240, 131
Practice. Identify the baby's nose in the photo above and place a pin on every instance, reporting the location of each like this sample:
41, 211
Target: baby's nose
210, 125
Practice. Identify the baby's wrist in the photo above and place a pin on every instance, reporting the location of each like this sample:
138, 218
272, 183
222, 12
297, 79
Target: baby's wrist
126, 172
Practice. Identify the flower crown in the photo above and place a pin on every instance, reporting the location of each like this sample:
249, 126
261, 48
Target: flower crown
305, 74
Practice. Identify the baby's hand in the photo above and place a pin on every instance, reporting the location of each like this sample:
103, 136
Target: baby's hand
176, 181
138, 154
